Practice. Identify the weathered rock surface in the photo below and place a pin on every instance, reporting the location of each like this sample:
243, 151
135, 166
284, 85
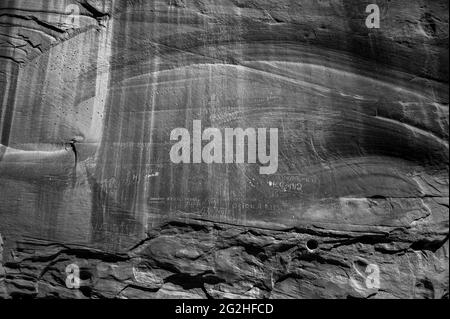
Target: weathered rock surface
90, 91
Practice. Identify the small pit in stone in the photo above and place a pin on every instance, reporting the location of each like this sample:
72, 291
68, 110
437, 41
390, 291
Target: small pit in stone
312, 244
85, 274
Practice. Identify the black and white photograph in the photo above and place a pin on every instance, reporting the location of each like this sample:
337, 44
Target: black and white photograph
223, 156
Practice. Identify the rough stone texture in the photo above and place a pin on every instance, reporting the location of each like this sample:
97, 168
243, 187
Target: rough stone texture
88, 102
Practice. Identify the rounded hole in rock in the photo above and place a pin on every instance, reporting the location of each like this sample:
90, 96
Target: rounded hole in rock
85, 275
312, 244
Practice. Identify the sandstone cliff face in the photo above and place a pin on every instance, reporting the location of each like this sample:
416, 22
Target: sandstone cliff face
90, 91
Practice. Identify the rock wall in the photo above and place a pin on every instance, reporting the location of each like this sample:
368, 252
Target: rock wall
91, 205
